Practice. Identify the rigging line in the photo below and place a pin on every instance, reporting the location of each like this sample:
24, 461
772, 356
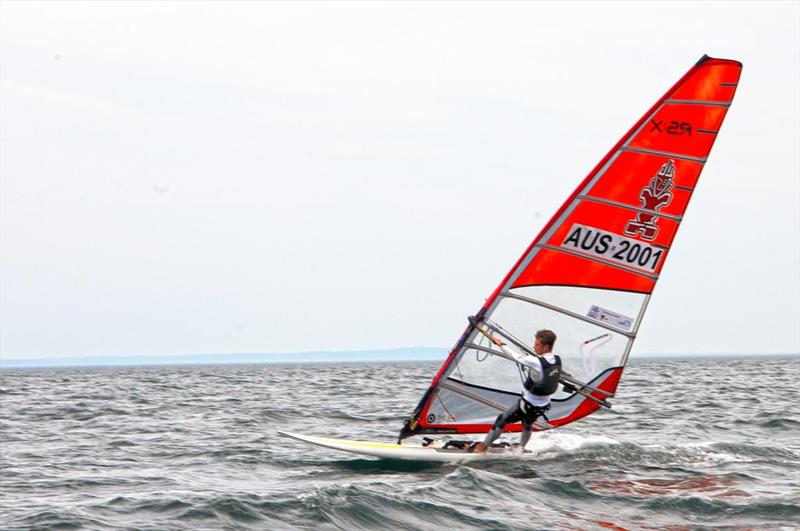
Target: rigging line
486, 402
593, 258
439, 398
629, 207
566, 312
458, 369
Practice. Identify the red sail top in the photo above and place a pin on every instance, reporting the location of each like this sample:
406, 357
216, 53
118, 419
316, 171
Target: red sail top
681, 127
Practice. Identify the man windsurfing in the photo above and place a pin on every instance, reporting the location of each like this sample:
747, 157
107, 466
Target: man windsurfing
543, 372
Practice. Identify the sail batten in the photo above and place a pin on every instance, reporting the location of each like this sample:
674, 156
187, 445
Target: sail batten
657, 153
590, 272
700, 102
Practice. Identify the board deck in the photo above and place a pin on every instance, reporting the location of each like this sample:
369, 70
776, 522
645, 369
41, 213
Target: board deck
406, 452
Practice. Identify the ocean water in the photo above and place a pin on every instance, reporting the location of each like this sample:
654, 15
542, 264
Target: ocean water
694, 443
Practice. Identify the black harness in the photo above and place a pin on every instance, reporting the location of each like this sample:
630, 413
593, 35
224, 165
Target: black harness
551, 373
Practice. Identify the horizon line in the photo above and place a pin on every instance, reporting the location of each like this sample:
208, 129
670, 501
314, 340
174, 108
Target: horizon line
361, 355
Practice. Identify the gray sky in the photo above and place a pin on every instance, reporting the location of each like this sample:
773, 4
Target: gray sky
265, 177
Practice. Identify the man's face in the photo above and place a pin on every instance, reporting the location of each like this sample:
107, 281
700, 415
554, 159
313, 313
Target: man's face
539, 348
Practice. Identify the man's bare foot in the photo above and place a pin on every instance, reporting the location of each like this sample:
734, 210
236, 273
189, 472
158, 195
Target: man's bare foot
478, 448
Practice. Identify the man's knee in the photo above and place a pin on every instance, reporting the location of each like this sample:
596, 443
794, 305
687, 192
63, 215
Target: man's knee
499, 423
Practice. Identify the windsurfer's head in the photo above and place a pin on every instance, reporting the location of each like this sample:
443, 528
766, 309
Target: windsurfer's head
545, 339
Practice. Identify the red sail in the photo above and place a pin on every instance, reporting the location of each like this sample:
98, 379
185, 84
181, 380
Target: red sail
589, 274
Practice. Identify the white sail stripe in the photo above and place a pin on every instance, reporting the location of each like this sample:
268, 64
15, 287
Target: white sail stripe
598, 259
700, 102
485, 401
665, 154
629, 207
564, 311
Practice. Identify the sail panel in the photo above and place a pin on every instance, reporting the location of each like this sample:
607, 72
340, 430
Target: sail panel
554, 267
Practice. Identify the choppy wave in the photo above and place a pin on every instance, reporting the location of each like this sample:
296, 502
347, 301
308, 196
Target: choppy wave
198, 448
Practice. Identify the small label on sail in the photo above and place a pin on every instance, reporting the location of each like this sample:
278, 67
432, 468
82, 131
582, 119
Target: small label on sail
613, 247
610, 318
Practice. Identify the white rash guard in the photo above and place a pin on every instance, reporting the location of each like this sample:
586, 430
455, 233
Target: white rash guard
534, 368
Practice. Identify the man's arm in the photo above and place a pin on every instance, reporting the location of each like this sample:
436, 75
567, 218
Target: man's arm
510, 354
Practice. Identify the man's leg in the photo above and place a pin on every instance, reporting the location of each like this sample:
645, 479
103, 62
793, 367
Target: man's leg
502, 419
526, 435
531, 413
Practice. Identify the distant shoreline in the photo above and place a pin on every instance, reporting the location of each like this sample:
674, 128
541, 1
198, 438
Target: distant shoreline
386, 355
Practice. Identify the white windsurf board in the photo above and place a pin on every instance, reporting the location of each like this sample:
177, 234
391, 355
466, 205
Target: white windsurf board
399, 451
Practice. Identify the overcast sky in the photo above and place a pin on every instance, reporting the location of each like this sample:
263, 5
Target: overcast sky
186, 177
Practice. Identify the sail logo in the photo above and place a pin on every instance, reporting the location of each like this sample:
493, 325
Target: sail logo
654, 196
610, 318
612, 247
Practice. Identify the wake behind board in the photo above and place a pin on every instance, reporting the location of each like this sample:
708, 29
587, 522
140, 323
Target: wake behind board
400, 451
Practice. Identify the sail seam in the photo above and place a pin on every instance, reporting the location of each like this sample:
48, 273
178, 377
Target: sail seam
629, 207
566, 312
598, 259
684, 188
700, 102
729, 84
707, 131
665, 154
